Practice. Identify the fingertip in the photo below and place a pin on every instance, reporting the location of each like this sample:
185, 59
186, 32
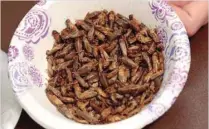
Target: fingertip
191, 31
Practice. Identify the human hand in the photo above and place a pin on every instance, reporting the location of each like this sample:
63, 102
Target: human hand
194, 14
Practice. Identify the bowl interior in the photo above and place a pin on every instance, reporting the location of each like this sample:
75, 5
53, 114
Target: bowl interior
27, 58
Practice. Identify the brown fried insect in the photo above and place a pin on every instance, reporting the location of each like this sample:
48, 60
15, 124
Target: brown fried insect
92, 14
56, 36
70, 55
161, 60
128, 62
86, 68
111, 89
121, 22
83, 24
114, 118
136, 110
85, 115
134, 71
80, 80
101, 92
114, 51
106, 112
156, 63
134, 23
154, 35
123, 73
91, 34
95, 51
54, 49
54, 91
86, 94
63, 90
114, 63
70, 25
104, 54
66, 49
64, 65
111, 18
67, 99
53, 99
152, 48
99, 35
93, 80
147, 59
106, 31
158, 82
132, 39
143, 39
122, 17
76, 63
133, 88
91, 75
128, 33
119, 109
95, 84
96, 105
65, 111
112, 74
66, 34
111, 46
135, 78
123, 46
112, 80
87, 45
69, 73
103, 80
59, 61
102, 18
82, 105
131, 106
152, 76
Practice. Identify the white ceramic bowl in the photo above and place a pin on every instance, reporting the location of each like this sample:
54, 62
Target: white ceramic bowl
27, 59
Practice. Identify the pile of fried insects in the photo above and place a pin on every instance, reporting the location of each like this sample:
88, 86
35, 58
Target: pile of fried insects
104, 68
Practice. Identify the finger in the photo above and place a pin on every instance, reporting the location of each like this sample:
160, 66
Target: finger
194, 15
185, 18
198, 10
179, 3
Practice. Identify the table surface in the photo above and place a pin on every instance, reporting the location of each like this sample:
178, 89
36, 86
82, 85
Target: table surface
188, 112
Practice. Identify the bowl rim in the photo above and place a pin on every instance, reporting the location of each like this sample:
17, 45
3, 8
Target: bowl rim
46, 123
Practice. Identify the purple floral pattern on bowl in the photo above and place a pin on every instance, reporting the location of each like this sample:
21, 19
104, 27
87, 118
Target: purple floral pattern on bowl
176, 25
24, 76
13, 52
28, 52
162, 34
178, 38
34, 26
162, 11
156, 109
178, 53
18, 75
178, 76
35, 76
178, 50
